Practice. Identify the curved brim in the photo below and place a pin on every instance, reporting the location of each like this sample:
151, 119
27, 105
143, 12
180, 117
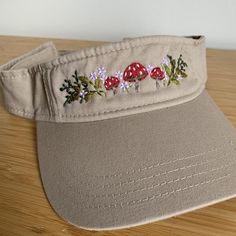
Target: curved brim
141, 168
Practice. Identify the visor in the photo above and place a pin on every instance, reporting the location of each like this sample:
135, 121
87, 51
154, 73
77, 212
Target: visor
126, 132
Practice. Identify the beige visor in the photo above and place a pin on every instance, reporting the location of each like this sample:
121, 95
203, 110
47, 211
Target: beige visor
126, 131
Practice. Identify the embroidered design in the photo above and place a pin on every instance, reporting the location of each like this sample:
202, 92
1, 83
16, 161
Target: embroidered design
83, 88
149, 68
134, 73
102, 73
174, 70
112, 83
157, 74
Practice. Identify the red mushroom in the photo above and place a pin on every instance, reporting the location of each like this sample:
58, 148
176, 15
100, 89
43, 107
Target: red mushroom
112, 83
135, 72
157, 74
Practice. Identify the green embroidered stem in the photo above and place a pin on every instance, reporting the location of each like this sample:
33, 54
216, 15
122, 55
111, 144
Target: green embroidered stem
81, 88
176, 71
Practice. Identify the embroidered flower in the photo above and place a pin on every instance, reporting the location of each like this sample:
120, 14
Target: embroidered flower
149, 68
166, 61
93, 76
179, 77
102, 73
83, 94
124, 85
119, 74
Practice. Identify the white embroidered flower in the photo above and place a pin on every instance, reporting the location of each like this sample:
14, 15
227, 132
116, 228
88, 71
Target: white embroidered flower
179, 77
119, 74
124, 85
166, 61
102, 73
149, 68
93, 76
83, 94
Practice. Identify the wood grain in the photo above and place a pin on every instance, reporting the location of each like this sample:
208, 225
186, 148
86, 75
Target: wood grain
24, 209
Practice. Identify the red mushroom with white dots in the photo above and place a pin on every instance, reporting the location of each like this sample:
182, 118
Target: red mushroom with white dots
134, 73
112, 83
158, 75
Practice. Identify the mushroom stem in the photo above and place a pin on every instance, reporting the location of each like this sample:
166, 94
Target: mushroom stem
136, 85
157, 84
114, 90
164, 83
126, 89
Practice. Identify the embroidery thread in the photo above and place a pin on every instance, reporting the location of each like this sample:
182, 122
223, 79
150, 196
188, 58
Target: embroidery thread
83, 88
112, 83
157, 74
134, 73
175, 71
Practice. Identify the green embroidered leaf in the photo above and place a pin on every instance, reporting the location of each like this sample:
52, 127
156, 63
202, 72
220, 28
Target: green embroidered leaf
77, 89
81, 84
185, 64
177, 71
88, 97
175, 81
98, 83
100, 93
170, 57
76, 97
84, 80
183, 74
167, 69
91, 93
173, 63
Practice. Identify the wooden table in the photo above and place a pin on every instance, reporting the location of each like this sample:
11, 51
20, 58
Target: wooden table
24, 209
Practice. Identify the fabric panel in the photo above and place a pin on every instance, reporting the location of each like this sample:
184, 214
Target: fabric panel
42, 99
23, 90
140, 168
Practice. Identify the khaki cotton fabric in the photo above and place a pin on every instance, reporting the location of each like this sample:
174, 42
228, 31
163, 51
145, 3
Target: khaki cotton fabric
140, 168
42, 72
